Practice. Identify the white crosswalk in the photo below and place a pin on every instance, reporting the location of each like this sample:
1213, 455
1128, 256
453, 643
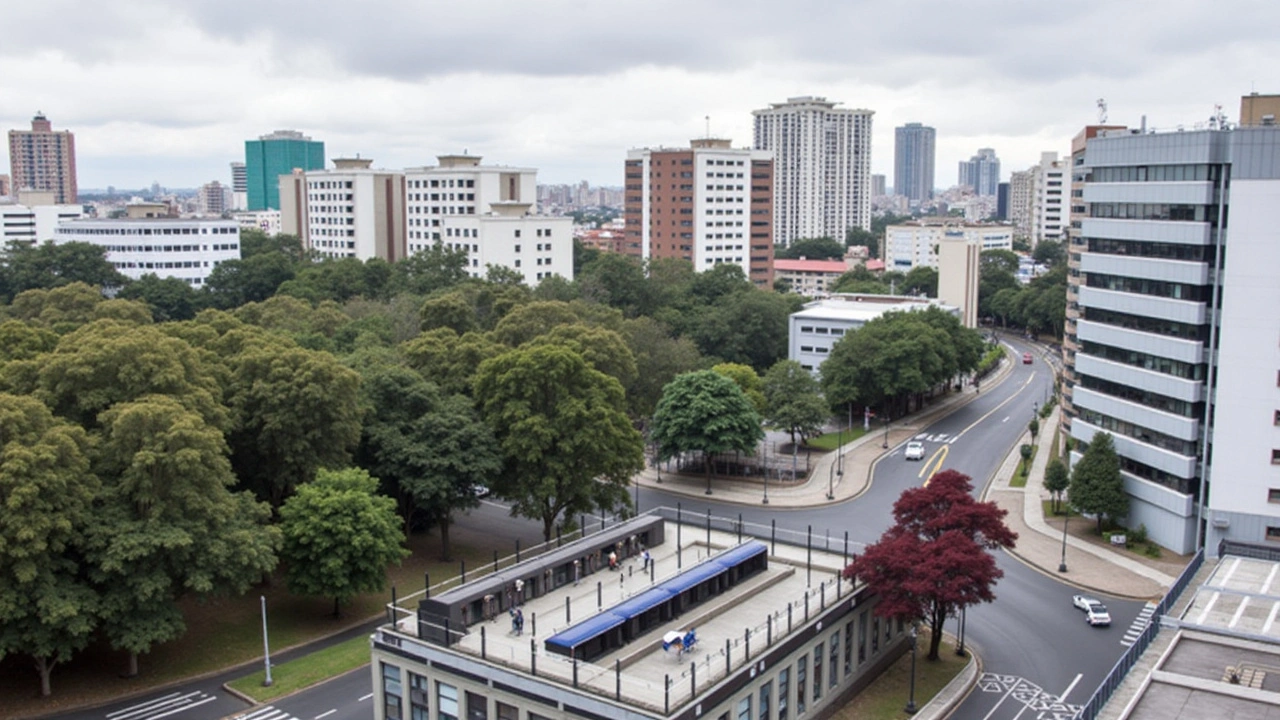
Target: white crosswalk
266, 712
163, 706
1139, 624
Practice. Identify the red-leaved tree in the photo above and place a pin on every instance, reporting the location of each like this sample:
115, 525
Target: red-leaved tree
935, 558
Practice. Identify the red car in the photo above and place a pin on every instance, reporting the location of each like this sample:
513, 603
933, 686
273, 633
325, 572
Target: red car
1026, 358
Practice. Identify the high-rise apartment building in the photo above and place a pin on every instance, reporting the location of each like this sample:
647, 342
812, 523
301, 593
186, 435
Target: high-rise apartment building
1022, 187
981, 172
5, 188
709, 204
1002, 201
271, 156
1051, 207
43, 159
914, 149
821, 165
490, 211
1171, 344
350, 210
239, 186
878, 186
213, 198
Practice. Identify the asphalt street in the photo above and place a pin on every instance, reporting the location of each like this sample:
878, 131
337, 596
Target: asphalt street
1040, 659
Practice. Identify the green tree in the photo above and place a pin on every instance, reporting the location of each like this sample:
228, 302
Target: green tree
530, 320
1050, 252
707, 412
604, 349
1096, 486
566, 443
618, 281
793, 400
920, 280
430, 449
48, 608
820, 248
860, 280
1056, 480
168, 524
870, 239
169, 298
340, 536
448, 360
746, 378
452, 311
887, 360
24, 341
47, 265
251, 279
430, 270
256, 242
659, 358
747, 327
293, 410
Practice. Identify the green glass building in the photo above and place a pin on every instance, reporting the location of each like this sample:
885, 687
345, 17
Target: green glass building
271, 156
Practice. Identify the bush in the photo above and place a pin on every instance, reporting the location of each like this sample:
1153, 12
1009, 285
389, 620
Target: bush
1033, 426
1139, 536
1153, 550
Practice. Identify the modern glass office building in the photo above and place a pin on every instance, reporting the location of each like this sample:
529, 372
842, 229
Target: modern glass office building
271, 156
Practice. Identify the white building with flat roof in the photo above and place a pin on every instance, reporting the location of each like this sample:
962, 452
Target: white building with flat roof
915, 244
350, 210
490, 212
33, 223
186, 248
816, 329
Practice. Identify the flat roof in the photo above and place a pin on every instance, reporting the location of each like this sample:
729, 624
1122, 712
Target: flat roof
757, 604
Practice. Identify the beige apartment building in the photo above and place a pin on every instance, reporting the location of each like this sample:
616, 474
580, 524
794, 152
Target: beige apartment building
43, 159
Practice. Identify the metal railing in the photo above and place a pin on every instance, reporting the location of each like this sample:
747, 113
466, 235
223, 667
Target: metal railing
1130, 657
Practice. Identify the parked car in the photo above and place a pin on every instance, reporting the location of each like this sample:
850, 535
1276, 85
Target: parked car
1082, 602
915, 450
1026, 358
481, 491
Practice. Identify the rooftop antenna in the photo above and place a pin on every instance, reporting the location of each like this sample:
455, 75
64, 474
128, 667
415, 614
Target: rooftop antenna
1102, 111
708, 119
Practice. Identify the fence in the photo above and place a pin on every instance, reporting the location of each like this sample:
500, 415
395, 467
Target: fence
1130, 657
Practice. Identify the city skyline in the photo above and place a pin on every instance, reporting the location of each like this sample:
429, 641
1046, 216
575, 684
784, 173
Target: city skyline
403, 83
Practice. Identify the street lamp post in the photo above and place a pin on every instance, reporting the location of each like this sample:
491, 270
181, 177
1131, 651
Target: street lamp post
1062, 565
266, 649
885, 444
910, 709
765, 499
963, 618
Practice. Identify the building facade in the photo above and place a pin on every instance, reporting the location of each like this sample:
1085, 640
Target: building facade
490, 212
821, 166
810, 278
1171, 345
43, 159
914, 151
271, 156
915, 244
709, 204
879, 187
239, 186
981, 172
187, 248
1051, 208
350, 210
813, 331
789, 638
959, 270
33, 223
213, 198
267, 221
1021, 202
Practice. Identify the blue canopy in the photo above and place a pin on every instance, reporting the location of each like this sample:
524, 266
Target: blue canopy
588, 629
642, 603
736, 556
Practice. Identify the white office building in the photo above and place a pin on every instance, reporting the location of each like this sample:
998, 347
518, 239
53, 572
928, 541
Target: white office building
1050, 203
1199, 440
351, 210
813, 331
490, 212
267, 221
915, 244
185, 248
33, 223
822, 167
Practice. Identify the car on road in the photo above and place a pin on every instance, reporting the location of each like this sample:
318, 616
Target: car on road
1026, 358
481, 491
915, 450
1095, 613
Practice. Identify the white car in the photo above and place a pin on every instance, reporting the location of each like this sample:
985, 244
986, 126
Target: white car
914, 451
1095, 613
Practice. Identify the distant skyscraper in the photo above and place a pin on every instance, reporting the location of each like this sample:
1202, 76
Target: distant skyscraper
41, 159
212, 198
1002, 201
239, 186
878, 186
1050, 208
271, 156
1022, 187
981, 172
914, 147
822, 167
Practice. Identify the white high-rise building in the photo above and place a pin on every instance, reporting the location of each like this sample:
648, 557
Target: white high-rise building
490, 212
915, 244
1021, 194
1171, 341
1050, 203
350, 210
822, 167
709, 204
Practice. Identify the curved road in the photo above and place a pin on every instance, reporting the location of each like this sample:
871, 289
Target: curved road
1039, 657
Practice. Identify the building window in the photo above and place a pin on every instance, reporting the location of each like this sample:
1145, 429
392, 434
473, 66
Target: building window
418, 692
802, 673
1273, 533
1275, 457
505, 711
446, 701
477, 706
744, 708
1273, 495
765, 689
817, 673
832, 675
784, 688
1277, 419
391, 691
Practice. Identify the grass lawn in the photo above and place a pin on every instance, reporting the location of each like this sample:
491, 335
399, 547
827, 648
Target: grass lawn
306, 671
831, 441
1019, 478
885, 698
224, 632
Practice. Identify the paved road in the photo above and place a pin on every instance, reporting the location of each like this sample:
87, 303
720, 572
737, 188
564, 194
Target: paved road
1040, 658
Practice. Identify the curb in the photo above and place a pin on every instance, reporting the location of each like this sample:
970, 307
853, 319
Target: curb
1064, 579
255, 704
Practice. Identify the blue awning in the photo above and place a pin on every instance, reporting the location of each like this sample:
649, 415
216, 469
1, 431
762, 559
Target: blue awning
642, 603
586, 630
734, 557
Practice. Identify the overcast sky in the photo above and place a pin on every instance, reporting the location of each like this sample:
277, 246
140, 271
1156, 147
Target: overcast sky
169, 91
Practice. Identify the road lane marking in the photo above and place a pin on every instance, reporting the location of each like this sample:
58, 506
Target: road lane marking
148, 704
166, 702
1139, 625
326, 714
184, 708
993, 410
1006, 419
1275, 606
940, 455
366, 697
1072, 686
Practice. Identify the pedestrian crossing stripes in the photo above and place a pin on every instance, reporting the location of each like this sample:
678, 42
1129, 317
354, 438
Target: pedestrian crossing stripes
163, 706
1138, 625
266, 712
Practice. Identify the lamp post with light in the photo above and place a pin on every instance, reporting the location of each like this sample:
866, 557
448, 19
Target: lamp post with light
910, 709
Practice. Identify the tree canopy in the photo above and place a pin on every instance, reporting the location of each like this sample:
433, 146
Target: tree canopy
936, 557
793, 400
1097, 486
707, 412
